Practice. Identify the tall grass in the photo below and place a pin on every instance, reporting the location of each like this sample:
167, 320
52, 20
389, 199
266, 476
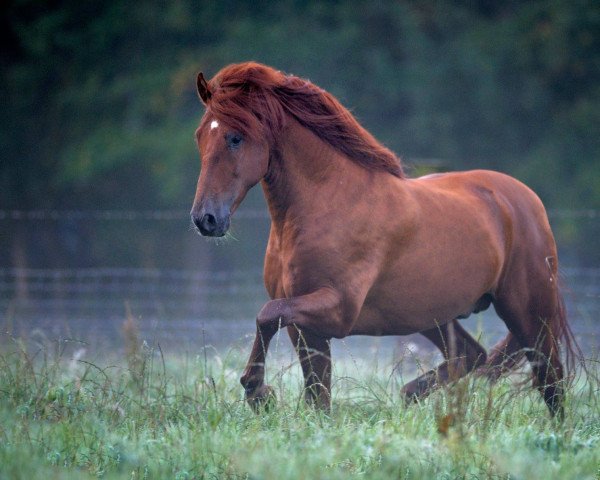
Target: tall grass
149, 414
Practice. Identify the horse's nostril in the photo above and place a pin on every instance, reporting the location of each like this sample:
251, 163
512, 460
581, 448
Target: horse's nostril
209, 222
206, 224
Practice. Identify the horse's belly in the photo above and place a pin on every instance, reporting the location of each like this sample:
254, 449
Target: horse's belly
373, 321
403, 319
442, 274
413, 304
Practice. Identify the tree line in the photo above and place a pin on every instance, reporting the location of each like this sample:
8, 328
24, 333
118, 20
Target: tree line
99, 105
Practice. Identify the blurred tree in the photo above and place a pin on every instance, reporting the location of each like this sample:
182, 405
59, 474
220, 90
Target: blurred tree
99, 106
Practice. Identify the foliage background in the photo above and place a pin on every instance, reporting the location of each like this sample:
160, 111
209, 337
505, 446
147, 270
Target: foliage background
99, 106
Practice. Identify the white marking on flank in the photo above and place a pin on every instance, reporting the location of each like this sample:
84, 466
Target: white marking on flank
214, 124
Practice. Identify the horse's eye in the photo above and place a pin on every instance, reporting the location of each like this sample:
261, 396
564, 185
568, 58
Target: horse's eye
233, 140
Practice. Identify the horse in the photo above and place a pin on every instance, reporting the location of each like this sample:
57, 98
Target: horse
356, 247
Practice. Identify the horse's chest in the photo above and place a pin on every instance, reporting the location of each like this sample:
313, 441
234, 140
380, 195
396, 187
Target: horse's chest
283, 274
272, 277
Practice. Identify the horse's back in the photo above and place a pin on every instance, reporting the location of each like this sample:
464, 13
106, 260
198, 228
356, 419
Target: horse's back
519, 204
477, 180
517, 212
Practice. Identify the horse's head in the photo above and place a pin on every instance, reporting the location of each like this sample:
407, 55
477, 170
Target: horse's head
232, 163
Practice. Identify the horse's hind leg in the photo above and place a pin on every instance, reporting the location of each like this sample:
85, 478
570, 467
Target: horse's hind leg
315, 358
462, 355
505, 356
532, 313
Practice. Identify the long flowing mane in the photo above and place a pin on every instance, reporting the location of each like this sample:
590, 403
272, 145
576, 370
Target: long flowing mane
254, 99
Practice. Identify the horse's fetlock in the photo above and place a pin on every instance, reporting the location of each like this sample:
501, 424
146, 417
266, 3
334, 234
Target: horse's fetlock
261, 398
250, 382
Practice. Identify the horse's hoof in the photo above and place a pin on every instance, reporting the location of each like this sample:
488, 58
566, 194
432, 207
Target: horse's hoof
262, 398
410, 397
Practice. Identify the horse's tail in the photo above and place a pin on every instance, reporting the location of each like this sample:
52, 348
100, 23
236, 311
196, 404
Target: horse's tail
561, 329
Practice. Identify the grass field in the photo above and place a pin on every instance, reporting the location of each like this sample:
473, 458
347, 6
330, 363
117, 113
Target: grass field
142, 414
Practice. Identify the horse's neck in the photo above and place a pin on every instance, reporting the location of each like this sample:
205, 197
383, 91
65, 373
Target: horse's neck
307, 174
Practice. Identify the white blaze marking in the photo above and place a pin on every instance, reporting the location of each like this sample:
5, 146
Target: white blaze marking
214, 124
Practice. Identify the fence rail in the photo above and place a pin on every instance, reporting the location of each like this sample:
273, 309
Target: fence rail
180, 214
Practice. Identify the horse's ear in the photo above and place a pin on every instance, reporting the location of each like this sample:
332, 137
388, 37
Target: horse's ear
203, 89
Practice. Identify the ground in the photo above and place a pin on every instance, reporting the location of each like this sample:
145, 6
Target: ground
139, 412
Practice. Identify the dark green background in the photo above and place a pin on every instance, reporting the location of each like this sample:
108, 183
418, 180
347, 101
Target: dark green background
99, 107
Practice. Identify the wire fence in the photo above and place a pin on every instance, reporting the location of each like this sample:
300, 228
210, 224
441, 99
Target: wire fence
180, 303
96, 293
177, 302
175, 307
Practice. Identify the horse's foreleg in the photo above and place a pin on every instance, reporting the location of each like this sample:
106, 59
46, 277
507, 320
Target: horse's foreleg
462, 355
321, 313
320, 316
257, 393
315, 358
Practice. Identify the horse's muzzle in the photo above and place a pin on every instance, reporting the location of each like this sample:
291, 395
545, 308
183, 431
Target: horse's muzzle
211, 226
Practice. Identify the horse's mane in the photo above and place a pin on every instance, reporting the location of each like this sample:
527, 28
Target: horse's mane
254, 99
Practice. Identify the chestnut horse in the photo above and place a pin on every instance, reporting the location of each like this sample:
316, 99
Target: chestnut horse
357, 248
